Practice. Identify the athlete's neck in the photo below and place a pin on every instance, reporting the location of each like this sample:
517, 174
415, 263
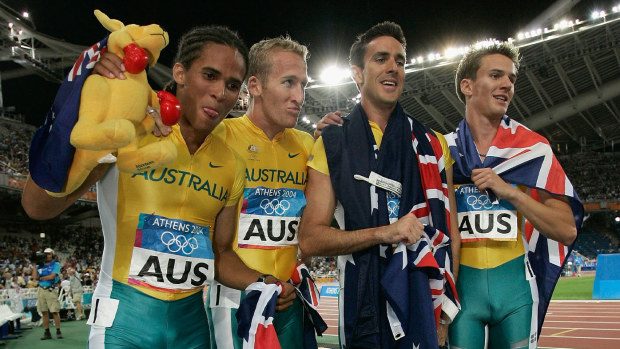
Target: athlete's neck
258, 118
483, 128
192, 137
379, 114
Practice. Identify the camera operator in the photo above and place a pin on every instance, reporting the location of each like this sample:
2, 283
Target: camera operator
47, 296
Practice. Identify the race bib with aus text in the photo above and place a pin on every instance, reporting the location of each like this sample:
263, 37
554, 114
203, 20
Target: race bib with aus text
171, 255
269, 218
479, 218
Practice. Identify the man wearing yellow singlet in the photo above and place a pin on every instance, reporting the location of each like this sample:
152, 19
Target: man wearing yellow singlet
160, 225
496, 157
275, 155
378, 169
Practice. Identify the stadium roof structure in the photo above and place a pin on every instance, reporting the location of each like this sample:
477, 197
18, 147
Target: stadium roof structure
568, 87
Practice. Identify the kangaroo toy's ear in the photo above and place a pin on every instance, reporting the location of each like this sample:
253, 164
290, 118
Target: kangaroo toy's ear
110, 24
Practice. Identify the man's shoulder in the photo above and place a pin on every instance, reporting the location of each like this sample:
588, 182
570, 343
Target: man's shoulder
302, 137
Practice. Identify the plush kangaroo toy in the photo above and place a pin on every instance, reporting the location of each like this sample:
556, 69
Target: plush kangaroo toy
112, 115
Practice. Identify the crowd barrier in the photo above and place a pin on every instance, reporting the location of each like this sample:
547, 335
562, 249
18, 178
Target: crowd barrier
28, 297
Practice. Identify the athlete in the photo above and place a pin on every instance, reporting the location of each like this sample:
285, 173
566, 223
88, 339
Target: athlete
363, 167
160, 225
496, 157
275, 155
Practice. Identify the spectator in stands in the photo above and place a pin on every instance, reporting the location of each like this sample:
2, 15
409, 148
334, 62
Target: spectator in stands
32, 283
76, 292
87, 280
47, 296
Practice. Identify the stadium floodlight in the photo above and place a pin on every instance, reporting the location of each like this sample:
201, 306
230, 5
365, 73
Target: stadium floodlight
616, 9
42, 235
413, 60
11, 25
617, 219
25, 14
420, 59
598, 14
333, 75
313, 125
452, 52
520, 36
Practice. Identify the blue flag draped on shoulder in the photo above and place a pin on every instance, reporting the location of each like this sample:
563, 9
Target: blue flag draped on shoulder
51, 152
391, 298
521, 156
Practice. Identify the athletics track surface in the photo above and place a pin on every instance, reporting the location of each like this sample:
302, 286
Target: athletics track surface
568, 324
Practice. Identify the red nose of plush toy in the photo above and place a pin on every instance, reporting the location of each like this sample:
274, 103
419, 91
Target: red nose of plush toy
170, 108
135, 59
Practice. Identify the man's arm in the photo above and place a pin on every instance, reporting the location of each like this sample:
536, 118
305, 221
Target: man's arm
51, 276
230, 270
317, 238
552, 216
39, 205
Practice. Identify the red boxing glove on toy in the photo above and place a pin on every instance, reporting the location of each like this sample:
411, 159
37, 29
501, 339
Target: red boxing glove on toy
170, 108
135, 59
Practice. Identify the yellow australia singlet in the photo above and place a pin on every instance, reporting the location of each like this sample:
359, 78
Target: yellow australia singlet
158, 224
491, 233
273, 198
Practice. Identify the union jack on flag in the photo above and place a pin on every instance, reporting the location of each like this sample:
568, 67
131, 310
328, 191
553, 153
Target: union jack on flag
521, 156
309, 296
255, 316
51, 152
305, 285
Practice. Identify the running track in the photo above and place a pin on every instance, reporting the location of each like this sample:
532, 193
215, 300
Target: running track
568, 324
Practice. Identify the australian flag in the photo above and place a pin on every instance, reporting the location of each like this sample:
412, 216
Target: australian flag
51, 152
255, 316
308, 294
521, 156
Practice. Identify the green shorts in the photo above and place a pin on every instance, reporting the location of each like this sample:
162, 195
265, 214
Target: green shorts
499, 298
142, 321
223, 325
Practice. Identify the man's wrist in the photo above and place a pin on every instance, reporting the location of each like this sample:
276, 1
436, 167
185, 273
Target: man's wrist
267, 278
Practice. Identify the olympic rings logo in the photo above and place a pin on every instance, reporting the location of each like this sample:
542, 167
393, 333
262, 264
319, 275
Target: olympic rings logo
276, 206
479, 202
176, 243
393, 207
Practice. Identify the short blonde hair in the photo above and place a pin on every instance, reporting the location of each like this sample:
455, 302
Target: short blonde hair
260, 62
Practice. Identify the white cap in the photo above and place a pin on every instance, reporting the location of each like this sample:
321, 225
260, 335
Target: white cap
48, 250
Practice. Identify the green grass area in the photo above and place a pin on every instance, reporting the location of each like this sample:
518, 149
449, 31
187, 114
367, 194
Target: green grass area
574, 288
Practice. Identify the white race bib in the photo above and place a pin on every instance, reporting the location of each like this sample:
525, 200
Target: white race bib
479, 218
171, 254
269, 218
103, 312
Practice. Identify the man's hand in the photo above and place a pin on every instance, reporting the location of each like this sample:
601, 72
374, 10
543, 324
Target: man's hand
111, 66
160, 129
407, 230
442, 334
285, 299
485, 178
329, 119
